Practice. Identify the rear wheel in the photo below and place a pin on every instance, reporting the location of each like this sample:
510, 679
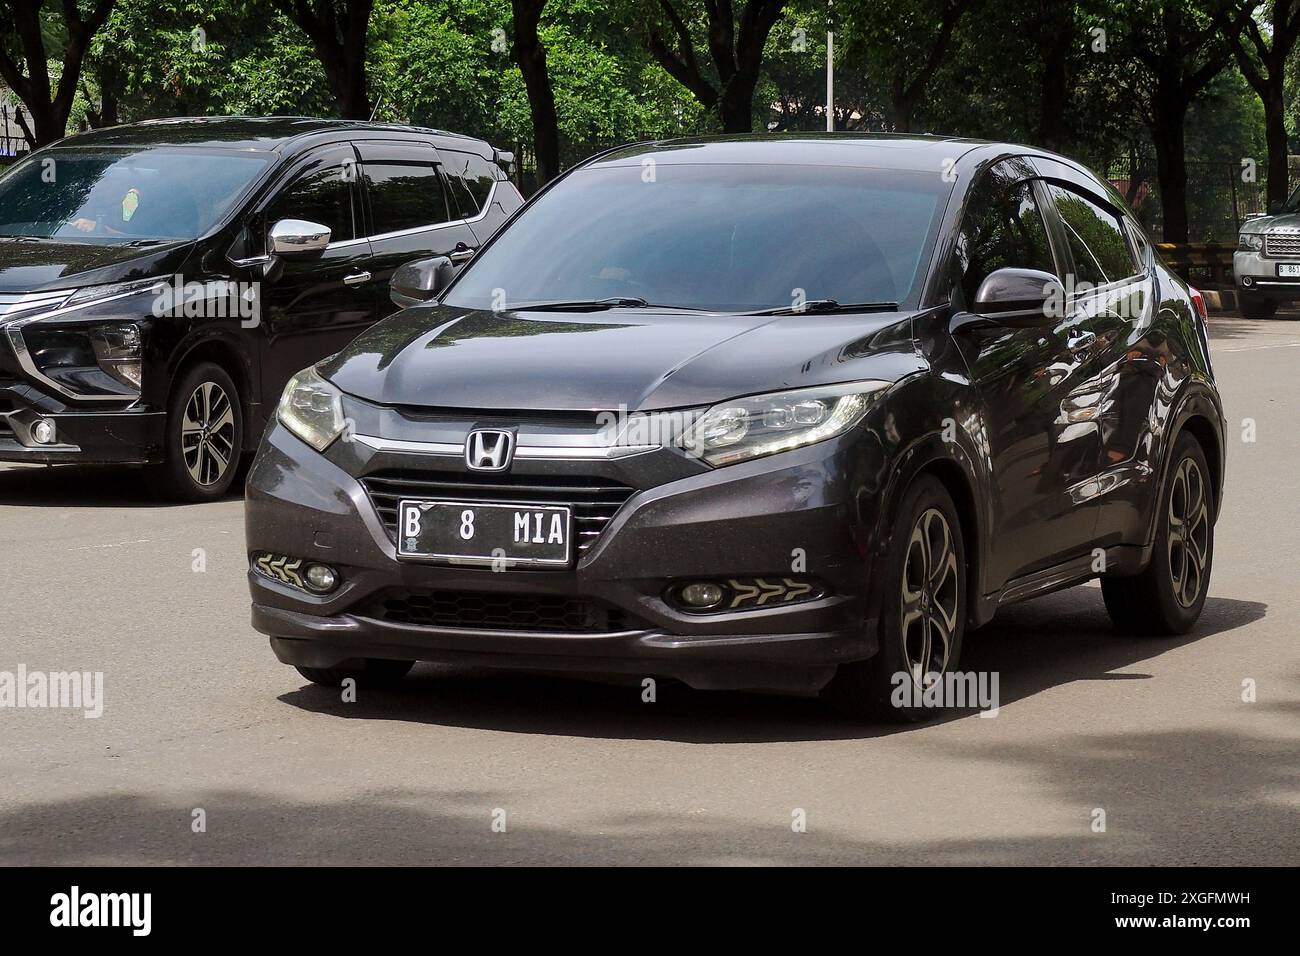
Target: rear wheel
1168, 596
1255, 306
204, 437
923, 616
374, 670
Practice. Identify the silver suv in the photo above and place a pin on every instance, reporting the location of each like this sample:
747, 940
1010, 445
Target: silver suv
1267, 260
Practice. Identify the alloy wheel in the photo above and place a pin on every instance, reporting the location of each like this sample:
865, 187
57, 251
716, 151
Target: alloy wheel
1189, 532
208, 434
929, 598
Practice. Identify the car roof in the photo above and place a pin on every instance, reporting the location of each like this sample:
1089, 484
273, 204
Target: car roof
278, 134
903, 151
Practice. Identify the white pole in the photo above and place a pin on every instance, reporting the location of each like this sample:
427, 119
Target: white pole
830, 67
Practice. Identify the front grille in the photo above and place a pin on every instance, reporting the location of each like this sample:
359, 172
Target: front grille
487, 610
1282, 245
594, 500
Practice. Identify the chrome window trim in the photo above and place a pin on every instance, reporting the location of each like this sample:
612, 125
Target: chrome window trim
414, 230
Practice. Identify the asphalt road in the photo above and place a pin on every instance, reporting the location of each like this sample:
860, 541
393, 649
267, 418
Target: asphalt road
198, 714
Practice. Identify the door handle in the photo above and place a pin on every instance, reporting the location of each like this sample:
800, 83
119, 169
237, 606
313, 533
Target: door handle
461, 253
1081, 342
357, 278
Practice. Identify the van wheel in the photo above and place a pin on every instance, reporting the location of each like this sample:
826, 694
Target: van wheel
1255, 306
204, 437
374, 670
1168, 596
923, 615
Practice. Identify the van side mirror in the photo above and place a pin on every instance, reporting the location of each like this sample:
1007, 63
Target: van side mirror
296, 238
420, 281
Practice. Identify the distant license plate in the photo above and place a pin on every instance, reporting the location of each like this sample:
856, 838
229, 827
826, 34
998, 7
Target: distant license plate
1288, 269
477, 533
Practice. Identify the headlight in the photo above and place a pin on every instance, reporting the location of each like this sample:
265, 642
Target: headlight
312, 409
94, 293
1250, 241
767, 424
118, 352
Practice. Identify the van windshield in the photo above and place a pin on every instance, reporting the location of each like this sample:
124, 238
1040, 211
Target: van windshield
725, 237
122, 195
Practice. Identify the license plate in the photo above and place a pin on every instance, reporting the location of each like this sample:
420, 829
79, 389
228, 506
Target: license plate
1288, 269
477, 533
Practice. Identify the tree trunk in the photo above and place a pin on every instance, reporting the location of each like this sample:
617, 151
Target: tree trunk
736, 105
1171, 166
1275, 136
1054, 95
530, 55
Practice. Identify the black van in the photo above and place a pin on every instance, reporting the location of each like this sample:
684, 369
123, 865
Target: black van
160, 282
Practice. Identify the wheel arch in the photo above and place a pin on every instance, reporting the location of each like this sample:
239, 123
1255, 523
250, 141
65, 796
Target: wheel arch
230, 359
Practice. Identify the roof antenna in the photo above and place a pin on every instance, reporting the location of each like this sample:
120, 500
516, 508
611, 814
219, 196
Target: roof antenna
378, 103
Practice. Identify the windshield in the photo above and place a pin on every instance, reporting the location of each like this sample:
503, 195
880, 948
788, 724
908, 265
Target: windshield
1293, 203
124, 195
714, 237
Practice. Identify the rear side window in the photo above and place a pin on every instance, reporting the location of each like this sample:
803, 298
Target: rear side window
405, 196
1002, 227
472, 177
1096, 238
323, 196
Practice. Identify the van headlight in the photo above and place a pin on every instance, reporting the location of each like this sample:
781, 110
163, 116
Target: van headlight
312, 409
780, 421
1250, 241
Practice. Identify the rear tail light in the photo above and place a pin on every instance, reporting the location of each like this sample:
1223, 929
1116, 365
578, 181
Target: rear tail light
1198, 302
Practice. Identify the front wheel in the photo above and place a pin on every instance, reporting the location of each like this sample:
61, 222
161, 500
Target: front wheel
204, 437
922, 617
1168, 596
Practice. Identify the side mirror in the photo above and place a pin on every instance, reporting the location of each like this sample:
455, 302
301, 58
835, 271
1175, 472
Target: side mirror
417, 282
1019, 293
1274, 208
297, 238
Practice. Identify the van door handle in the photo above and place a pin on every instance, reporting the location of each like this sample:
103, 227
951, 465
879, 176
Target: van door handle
461, 253
357, 278
1081, 342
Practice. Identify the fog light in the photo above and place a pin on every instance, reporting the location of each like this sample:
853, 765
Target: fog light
701, 594
1247, 280
43, 432
321, 578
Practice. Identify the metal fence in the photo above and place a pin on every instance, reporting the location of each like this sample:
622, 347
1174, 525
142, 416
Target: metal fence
1220, 194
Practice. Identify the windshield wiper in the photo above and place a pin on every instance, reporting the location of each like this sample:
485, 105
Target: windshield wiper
826, 306
591, 305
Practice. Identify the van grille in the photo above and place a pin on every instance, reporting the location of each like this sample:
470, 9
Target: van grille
487, 610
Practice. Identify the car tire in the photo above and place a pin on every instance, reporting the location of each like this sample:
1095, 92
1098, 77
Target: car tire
374, 670
1254, 306
924, 584
204, 425
1167, 597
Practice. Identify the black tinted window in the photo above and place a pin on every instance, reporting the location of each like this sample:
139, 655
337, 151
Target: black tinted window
1096, 238
1002, 228
324, 196
472, 173
713, 236
404, 196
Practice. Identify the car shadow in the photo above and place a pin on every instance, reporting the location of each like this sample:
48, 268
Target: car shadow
88, 486
1056, 640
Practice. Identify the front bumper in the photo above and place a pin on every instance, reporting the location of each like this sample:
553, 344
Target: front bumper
1256, 274
85, 436
750, 519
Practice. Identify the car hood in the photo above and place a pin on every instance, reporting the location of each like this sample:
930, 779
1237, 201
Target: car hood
1288, 221
38, 265
638, 359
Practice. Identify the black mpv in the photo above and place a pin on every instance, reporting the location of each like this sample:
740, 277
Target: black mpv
767, 413
160, 282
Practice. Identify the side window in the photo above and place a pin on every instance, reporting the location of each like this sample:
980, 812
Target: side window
1001, 227
405, 196
1096, 238
324, 196
472, 177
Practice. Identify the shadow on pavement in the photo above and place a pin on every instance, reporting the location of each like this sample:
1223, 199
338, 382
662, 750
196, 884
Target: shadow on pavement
87, 486
1055, 640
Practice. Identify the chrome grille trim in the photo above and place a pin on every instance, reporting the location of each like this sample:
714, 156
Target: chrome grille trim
1281, 244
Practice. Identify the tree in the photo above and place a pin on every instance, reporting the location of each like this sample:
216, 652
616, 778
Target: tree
1178, 49
1262, 56
735, 51
338, 30
21, 28
529, 54
908, 39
